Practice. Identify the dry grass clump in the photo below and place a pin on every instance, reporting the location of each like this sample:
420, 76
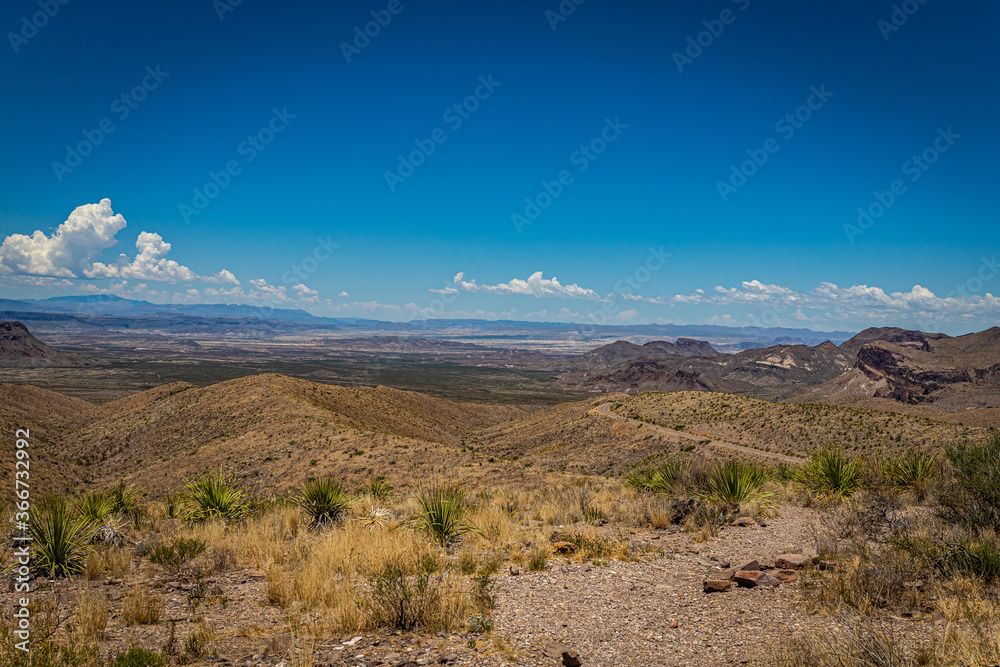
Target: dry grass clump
90, 617
141, 607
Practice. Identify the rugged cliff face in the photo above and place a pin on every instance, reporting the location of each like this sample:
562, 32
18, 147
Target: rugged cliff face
913, 371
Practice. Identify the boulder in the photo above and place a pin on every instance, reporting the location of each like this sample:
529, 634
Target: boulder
716, 585
785, 576
755, 578
744, 522
792, 561
729, 573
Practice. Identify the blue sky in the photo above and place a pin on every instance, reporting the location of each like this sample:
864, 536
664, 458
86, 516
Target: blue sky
643, 124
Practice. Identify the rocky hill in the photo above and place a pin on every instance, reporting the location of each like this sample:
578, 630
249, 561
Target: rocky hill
20, 349
269, 430
911, 367
955, 373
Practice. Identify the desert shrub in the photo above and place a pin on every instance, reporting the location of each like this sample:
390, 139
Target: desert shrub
737, 482
324, 501
124, 500
971, 495
214, 496
172, 506
404, 591
61, 539
139, 657
176, 555
661, 478
379, 488
442, 514
95, 507
860, 642
831, 472
141, 607
979, 558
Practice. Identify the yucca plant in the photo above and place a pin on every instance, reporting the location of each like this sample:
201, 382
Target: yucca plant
442, 513
215, 496
913, 470
737, 482
324, 501
831, 472
61, 538
657, 479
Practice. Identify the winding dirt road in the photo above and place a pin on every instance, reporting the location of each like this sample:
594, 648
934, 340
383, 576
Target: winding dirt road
605, 410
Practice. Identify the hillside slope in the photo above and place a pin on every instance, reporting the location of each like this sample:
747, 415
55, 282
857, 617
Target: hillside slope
20, 349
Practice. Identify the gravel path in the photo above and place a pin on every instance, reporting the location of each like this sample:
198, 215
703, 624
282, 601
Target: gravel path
622, 614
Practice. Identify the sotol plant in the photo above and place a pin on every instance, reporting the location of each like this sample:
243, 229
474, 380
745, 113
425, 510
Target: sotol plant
324, 501
442, 513
61, 538
215, 496
831, 472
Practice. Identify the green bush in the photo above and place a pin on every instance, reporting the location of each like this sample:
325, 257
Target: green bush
914, 471
405, 591
971, 495
324, 501
442, 513
177, 554
61, 539
215, 496
831, 472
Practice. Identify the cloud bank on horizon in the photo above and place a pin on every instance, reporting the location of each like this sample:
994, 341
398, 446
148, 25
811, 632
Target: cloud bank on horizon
68, 259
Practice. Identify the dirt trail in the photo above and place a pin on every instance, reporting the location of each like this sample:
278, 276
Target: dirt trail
607, 412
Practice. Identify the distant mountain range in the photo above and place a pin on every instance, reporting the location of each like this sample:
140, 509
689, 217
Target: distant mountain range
94, 312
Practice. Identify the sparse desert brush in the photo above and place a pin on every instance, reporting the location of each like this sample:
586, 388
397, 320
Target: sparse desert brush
141, 607
971, 494
176, 554
538, 557
215, 496
324, 501
113, 561
379, 488
831, 472
862, 641
410, 592
61, 539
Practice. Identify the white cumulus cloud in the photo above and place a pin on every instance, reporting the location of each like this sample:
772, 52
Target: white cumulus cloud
536, 285
89, 230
